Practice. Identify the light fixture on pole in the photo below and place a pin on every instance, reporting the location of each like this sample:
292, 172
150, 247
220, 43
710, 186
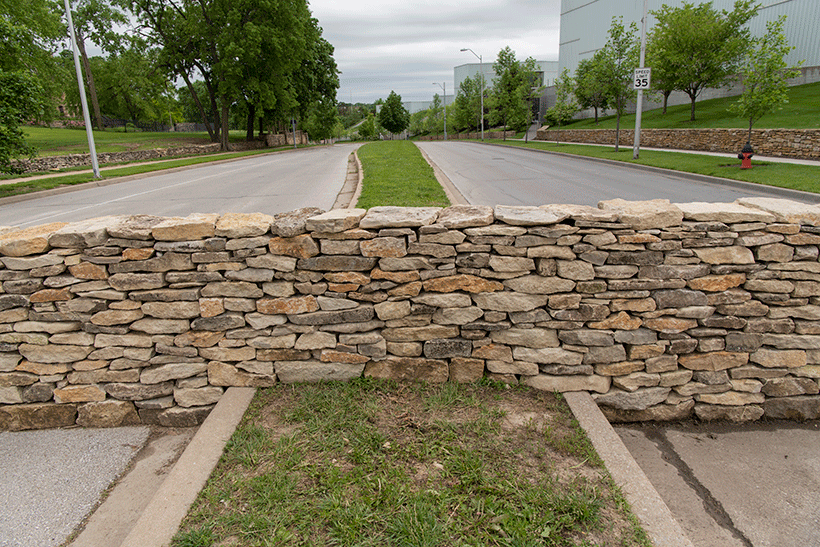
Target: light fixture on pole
92, 150
444, 88
481, 73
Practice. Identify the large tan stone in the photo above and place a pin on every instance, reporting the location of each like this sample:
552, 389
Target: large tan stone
548, 356
714, 361
240, 225
380, 247
79, 394
335, 221
731, 398
28, 241
784, 210
37, 416
530, 338
728, 213
135, 227
465, 216
717, 283
289, 306
198, 396
770, 358
223, 374
463, 282
644, 215
107, 414
563, 384
583, 213
54, 353
508, 301
289, 372
618, 321
171, 371
85, 233
399, 217
190, 228
419, 334
116, 317
409, 368
301, 246
520, 215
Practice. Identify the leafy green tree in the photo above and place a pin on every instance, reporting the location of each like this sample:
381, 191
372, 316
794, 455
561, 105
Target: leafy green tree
435, 116
512, 90
322, 120
367, 129
765, 72
695, 47
589, 88
467, 104
565, 105
29, 30
619, 57
95, 19
393, 116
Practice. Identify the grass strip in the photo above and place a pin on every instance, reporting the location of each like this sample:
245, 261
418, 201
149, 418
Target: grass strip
378, 463
784, 175
395, 173
36, 185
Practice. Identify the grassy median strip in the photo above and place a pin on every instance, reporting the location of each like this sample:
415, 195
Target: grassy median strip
783, 175
378, 463
395, 173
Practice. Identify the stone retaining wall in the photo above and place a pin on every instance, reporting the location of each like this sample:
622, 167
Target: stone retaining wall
475, 135
662, 311
790, 143
48, 163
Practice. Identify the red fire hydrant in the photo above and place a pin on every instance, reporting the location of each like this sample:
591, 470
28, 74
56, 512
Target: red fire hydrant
746, 155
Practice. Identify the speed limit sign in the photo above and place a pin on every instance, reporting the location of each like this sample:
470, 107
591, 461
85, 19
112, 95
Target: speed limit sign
642, 78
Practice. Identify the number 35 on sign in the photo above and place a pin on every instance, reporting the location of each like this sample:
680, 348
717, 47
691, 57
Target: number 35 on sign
642, 78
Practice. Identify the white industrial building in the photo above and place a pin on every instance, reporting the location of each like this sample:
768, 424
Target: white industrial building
546, 71
585, 25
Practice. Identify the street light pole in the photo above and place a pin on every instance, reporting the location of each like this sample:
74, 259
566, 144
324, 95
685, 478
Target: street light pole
481, 73
92, 149
444, 88
636, 146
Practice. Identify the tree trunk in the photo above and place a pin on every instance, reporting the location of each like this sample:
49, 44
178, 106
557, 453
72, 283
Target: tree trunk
596, 114
749, 140
665, 99
223, 142
692, 113
617, 130
92, 89
199, 106
249, 125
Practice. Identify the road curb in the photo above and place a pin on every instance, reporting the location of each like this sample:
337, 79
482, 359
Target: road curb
646, 503
164, 513
450, 190
785, 193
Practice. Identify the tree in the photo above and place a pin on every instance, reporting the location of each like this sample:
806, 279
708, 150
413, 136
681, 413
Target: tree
512, 89
698, 47
565, 105
94, 19
589, 89
619, 57
467, 104
765, 72
393, 116
29, 31
435, 117
367, 129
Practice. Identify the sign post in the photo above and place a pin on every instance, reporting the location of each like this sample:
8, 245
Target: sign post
641, 82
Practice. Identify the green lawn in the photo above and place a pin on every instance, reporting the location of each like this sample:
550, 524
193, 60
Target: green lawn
801, 112
784, 175
58, 142
395, 173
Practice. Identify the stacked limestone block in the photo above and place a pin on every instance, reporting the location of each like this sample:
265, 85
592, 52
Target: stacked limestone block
662, 311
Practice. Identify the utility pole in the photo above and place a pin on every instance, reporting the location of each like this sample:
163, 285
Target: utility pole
92, 149
481, 74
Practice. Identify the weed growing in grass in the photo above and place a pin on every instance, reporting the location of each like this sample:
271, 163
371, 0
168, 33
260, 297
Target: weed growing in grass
382, 463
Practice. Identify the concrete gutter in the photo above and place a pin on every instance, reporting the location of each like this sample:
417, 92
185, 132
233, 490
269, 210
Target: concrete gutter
785, 193
646, 503
169, 506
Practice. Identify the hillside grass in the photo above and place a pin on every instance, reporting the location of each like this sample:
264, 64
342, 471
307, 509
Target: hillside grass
53, 141
801, 112
784, 175
395, 173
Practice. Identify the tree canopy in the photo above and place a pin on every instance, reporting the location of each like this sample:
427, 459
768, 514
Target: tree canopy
393, 116
694, 46
619, 57
512, 90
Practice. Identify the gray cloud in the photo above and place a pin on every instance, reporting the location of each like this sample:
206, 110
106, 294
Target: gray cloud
383, 46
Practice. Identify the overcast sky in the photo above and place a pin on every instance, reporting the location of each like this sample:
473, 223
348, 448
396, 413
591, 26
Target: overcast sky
384, 45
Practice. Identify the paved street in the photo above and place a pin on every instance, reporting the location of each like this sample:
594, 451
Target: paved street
492, 175
265, 184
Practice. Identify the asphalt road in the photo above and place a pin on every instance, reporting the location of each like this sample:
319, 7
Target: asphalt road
492, 175
260, 184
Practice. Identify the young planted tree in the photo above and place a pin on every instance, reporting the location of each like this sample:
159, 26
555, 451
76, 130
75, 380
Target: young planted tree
565, 105
589, 88
512, 90
695, 47
393, 116
467, 104
619, 57
765, 72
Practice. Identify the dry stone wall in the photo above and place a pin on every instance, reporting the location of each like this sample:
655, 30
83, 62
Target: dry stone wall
789, 143
662, 311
